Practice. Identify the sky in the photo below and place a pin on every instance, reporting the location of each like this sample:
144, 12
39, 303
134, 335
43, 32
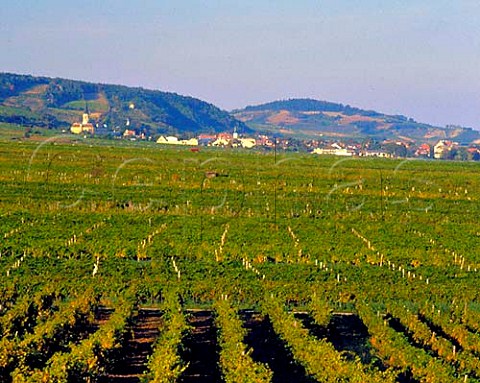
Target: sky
418, 58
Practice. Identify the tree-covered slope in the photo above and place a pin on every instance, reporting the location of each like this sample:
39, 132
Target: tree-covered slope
57, 103
326, 119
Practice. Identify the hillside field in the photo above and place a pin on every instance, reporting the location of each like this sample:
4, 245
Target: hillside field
141, 263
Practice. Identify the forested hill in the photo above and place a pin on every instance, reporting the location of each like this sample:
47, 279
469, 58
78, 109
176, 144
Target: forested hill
307, 104
57, 103
332, 120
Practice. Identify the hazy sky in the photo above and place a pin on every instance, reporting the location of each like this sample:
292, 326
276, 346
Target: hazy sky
420, 58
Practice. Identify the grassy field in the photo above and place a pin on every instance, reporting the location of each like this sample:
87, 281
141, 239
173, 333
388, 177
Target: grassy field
393, 242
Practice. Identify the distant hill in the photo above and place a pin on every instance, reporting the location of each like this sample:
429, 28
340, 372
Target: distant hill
313, 118
57, 103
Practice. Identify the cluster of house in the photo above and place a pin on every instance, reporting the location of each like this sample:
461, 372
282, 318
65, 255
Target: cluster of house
337, 149
453, 150
443, 149
222, 139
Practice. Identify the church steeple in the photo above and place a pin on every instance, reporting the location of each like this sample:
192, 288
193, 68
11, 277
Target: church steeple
85, 126
85, 117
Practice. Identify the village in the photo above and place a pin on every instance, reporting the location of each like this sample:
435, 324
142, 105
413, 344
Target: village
442, 149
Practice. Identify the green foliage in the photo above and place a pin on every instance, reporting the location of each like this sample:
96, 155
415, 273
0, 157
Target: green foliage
319, 357
236, 364
92, 105
309, 105
88, 359
152, 112
121, 226
13, 84
331, 120
395, 349
165, 364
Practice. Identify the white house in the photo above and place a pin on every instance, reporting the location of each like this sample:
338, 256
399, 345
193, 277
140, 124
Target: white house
190, 142
221, 142
172, 140
443, 146
248, 143
336, 151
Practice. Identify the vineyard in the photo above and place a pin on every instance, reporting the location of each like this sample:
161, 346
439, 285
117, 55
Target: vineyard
125, 263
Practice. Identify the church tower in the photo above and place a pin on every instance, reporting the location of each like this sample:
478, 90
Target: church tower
85, 126
85, 117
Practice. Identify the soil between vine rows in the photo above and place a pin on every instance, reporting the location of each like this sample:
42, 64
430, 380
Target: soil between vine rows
132, 365
200, 350
400, 328
346, 332
268, 348
349, 335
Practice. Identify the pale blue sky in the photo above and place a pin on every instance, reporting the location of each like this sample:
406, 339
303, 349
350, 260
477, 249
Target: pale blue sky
420, 58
